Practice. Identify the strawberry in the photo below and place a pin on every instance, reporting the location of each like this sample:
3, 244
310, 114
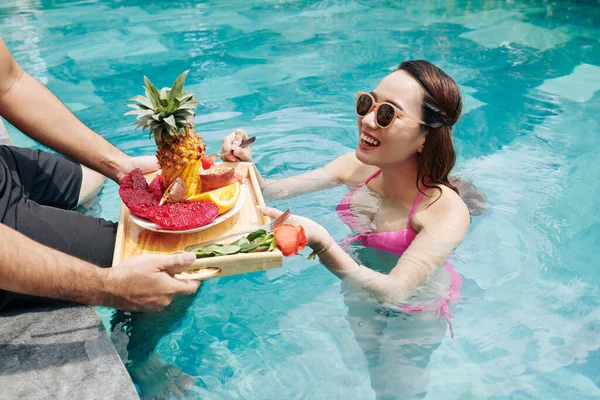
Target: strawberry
207, 163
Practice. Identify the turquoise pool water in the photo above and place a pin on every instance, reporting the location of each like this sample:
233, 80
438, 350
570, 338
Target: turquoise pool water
528, 325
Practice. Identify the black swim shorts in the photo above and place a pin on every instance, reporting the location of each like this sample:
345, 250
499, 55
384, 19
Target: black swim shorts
38, 192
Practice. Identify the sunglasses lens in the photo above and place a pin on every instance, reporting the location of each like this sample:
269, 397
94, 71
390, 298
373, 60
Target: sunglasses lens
363, 105
385, 115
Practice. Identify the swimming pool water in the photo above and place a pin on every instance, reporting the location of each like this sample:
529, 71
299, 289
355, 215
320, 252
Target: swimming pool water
528, 325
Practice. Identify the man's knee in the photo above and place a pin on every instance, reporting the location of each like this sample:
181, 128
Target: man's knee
91, 184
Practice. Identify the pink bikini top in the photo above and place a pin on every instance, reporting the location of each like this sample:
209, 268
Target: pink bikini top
395, 242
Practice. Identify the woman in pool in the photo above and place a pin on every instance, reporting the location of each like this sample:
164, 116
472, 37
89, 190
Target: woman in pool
401, 202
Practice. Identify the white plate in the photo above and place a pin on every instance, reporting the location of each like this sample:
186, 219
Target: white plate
147, 224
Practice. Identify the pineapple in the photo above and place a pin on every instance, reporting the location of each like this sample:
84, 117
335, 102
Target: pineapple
169, 114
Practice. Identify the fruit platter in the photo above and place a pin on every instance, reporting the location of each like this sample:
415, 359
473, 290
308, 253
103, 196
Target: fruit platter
133, 239
194, 214
189, 192
190, 199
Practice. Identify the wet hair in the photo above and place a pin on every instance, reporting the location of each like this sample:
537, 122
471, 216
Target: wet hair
441, 108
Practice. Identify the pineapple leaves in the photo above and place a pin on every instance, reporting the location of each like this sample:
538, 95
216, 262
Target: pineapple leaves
155, 125
158, 132
165, 93
144, 102
137, 107
188, 106
167, 112
152, 93
185, 97
139, 124
171, 107
177, 88
140, 113
180, 120
171, 121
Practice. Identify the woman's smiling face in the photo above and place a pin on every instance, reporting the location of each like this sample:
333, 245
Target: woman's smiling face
403, 138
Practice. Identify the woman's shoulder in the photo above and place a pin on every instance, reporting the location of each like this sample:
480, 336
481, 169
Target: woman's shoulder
442, 211
347, 169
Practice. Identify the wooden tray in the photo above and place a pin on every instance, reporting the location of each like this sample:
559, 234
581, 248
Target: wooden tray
133, 240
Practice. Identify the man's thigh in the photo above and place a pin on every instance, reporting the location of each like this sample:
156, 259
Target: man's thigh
45, 178
82, 236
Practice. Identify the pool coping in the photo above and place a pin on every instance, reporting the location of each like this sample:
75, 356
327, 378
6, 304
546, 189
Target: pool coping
59, 350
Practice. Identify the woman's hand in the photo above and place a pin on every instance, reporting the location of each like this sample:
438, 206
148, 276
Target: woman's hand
317, 236
230, 145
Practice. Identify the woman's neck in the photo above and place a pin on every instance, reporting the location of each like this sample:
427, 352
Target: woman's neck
397, 181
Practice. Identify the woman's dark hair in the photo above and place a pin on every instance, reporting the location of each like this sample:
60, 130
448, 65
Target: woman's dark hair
442, 106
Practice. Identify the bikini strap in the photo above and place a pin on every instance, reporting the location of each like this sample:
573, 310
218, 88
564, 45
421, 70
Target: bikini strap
372, 176
414, 207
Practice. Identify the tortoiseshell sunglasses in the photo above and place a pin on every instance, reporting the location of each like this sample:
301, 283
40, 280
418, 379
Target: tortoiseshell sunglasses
386, 112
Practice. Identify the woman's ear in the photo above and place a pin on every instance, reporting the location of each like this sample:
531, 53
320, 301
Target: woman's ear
422, 146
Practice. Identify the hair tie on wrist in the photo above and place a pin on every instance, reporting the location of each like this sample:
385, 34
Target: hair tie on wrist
314, 254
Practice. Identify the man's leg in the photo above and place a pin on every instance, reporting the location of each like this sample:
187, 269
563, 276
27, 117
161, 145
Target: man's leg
53, 180
91, 184
28, 176
82, 236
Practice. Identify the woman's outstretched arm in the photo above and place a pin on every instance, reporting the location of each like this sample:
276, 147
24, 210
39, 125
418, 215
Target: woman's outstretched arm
345, 169
444, 225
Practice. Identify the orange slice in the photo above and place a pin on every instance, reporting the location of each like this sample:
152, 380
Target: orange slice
225, 197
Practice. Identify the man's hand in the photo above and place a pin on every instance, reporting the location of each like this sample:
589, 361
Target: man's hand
230, 145
143, 283
145, 163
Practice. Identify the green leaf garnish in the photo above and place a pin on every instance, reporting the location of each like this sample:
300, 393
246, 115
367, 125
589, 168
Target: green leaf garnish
256, 234
227, 250
257, 241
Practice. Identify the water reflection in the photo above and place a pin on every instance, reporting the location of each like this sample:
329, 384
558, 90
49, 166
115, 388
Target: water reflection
397, 346
136, 335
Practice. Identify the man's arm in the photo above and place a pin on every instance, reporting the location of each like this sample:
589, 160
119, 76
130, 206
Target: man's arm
31, 268
139, 283
33, 109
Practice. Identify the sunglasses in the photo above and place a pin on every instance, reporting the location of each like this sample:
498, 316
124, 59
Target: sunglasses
385, 112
